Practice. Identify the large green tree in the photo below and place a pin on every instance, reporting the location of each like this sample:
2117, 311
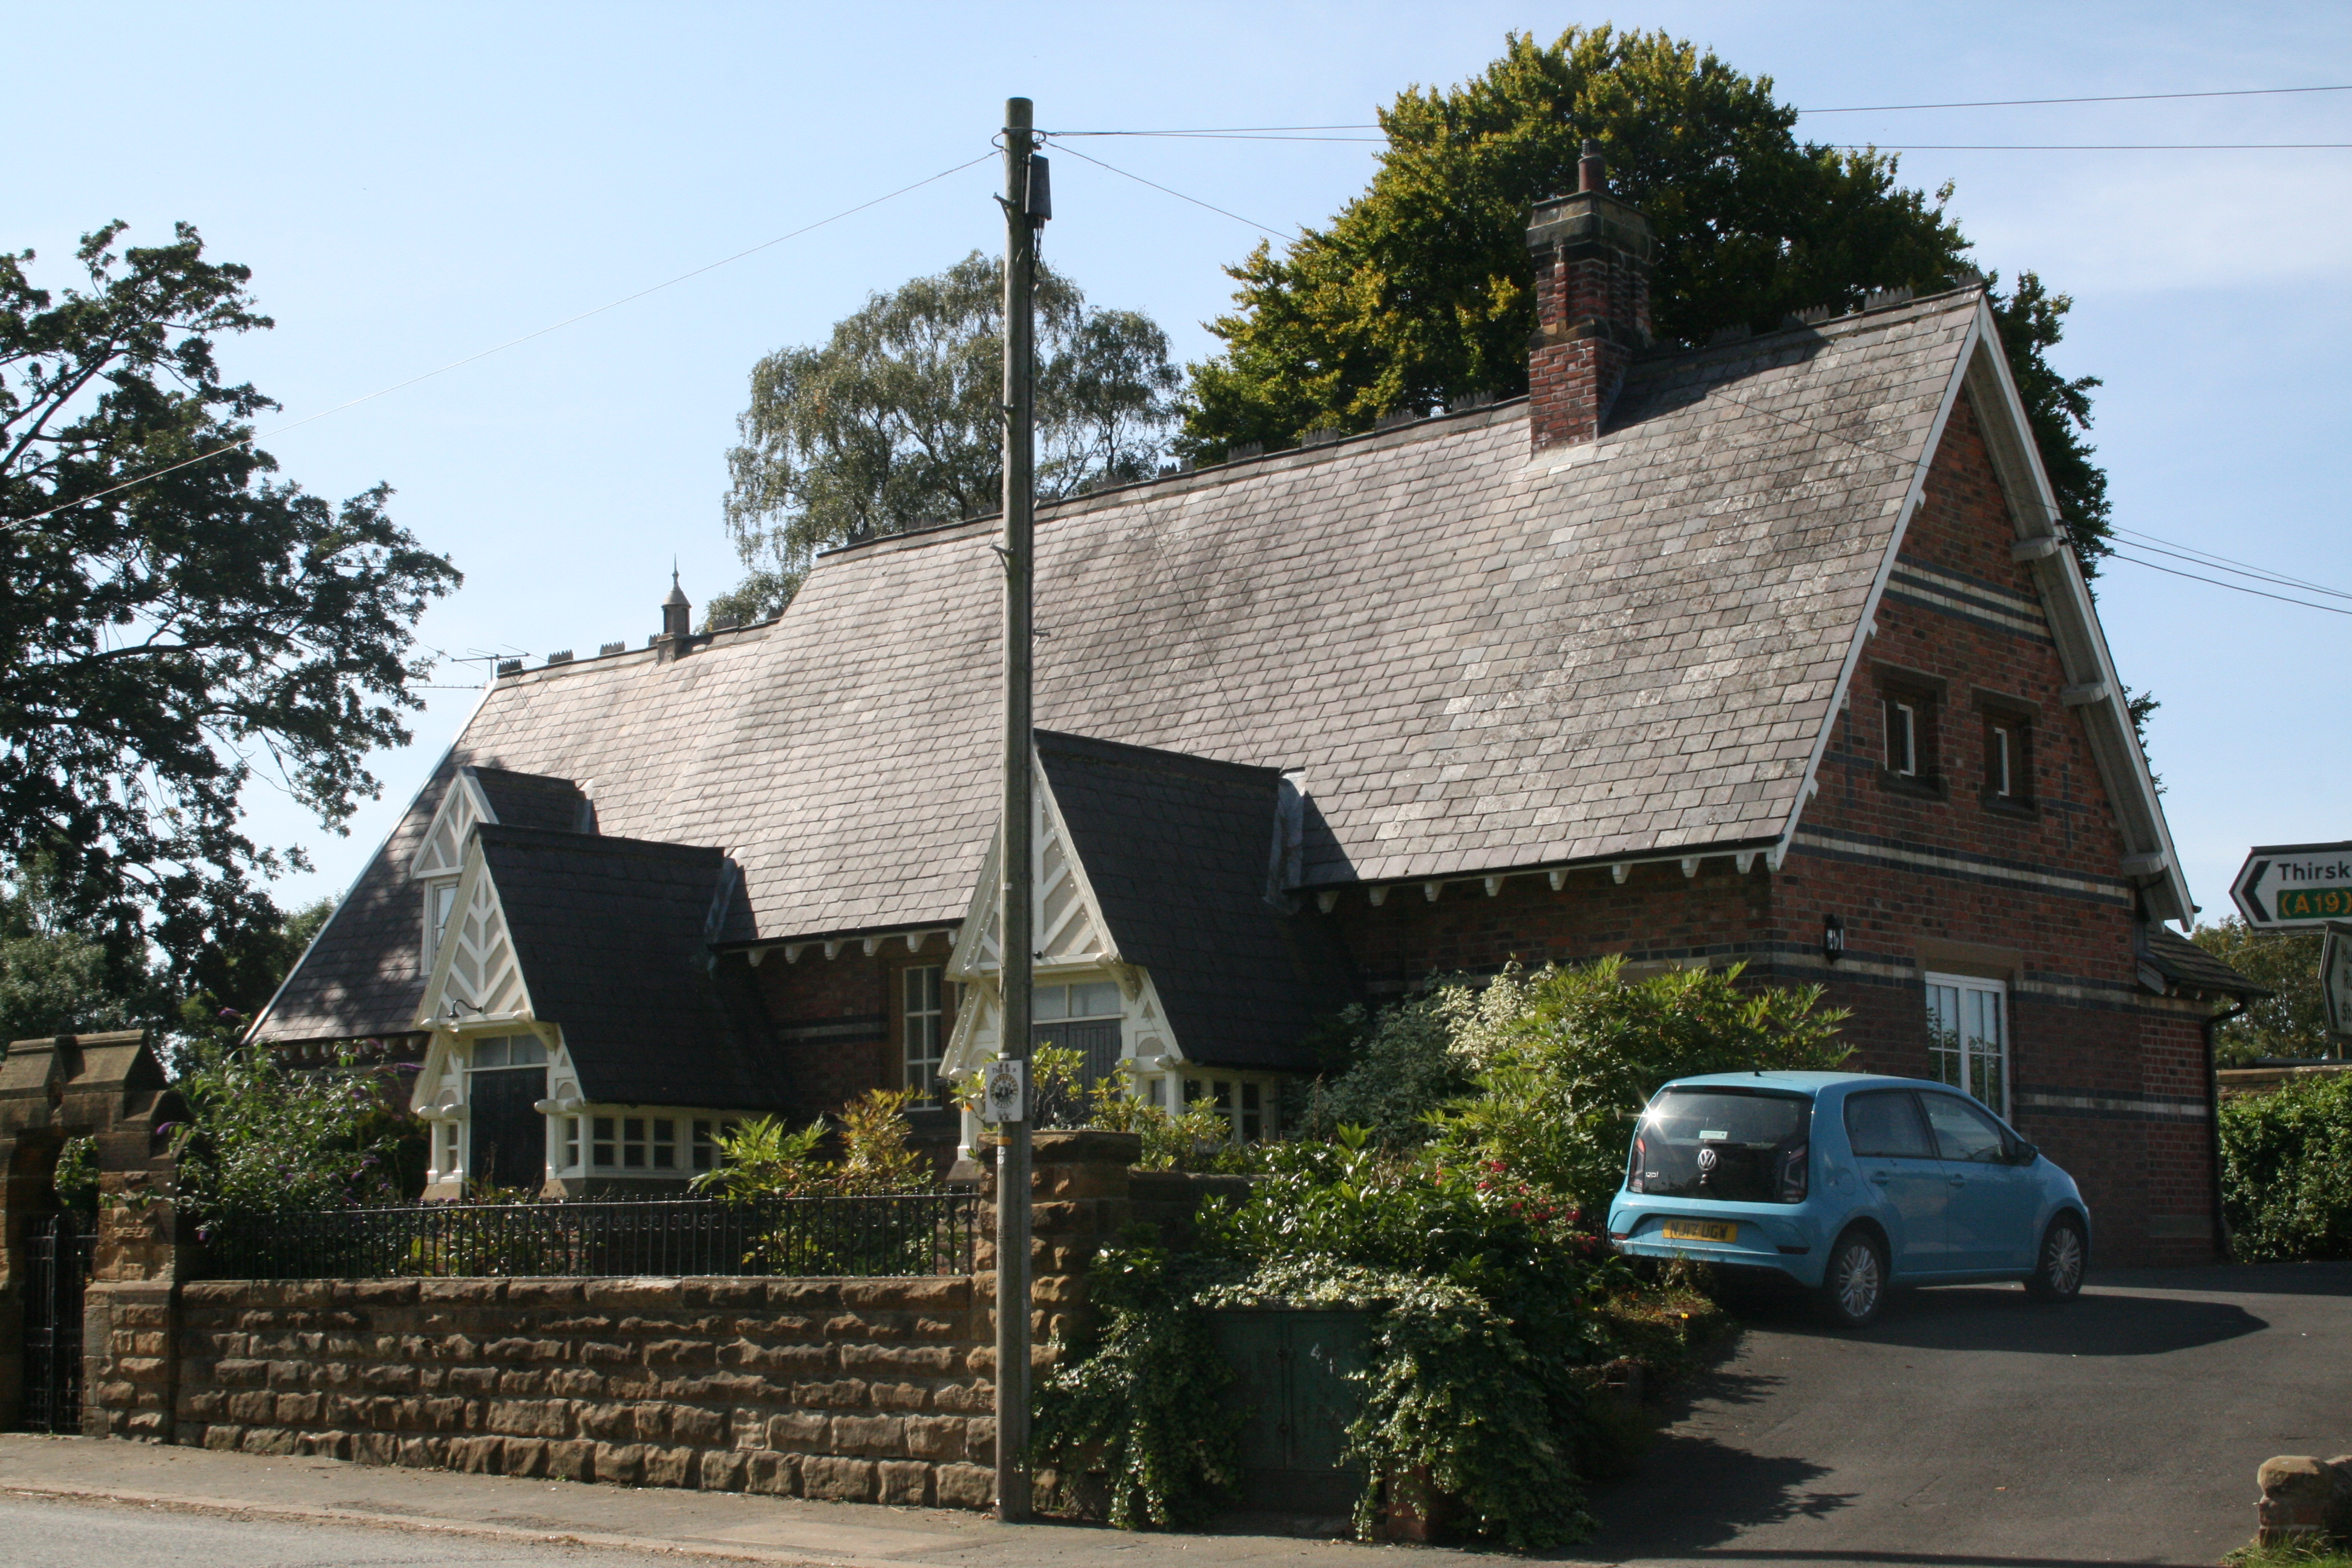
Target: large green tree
2292, 1021
172, 619
1421, 290
895, 421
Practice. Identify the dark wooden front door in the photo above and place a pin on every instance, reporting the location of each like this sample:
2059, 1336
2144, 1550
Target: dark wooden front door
508, 1137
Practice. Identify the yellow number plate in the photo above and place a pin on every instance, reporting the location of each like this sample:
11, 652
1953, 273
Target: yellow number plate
1699, 1230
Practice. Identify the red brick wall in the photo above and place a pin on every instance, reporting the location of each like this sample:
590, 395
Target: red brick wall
1656, 913
839, 1020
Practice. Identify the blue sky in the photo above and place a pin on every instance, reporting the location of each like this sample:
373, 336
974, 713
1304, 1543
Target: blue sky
415, 184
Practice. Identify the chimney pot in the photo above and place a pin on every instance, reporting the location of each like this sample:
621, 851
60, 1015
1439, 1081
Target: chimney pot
1591, 169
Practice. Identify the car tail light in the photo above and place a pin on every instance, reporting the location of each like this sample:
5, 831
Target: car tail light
1791, 1175
1633, 1166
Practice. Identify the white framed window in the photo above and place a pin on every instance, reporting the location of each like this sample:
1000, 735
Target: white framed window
445, 1149
440, 899
1243, 1102
1968, 1036
1999, 762
640, 1142
707, 1134
572, 1142
923, 992
493, 1051
1087, 999
1902, 738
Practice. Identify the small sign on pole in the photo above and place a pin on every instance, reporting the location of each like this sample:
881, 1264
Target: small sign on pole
1003, 1091
2336, 977
2295, 887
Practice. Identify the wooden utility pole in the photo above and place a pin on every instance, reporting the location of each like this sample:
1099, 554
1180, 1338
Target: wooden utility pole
1023, 213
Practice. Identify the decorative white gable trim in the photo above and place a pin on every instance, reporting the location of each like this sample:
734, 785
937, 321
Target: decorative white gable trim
1073, 943
476, 976
1068, 919
442, 853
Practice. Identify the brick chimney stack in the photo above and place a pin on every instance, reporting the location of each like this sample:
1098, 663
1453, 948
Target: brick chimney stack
1592, 255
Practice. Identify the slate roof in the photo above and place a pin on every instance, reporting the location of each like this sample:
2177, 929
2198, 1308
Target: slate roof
534, 800
2189, 966
1180, 853
611, 936
1479, 661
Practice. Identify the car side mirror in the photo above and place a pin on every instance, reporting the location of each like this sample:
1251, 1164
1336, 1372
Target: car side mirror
2023, 1154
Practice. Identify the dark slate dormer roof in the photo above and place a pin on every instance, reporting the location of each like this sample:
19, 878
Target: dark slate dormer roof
613, 935
1180, 852
2192, 968
535, 800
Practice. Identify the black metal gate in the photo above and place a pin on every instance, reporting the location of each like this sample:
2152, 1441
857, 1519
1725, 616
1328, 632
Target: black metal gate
56, 1254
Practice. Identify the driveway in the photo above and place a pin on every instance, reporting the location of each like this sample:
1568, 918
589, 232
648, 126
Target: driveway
1973, 1425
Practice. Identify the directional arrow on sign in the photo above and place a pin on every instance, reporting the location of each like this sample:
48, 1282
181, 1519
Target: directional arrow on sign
2291, 887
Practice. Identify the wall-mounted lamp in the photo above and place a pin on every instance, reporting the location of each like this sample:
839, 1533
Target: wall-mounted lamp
1832, 937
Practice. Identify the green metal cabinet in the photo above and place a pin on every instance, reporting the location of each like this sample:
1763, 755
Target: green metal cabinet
1293, 1385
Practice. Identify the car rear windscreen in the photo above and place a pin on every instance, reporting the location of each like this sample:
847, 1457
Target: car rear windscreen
1729, 1144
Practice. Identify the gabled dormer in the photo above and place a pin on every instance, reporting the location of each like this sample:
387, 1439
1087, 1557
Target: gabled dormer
1169, 951
476, 796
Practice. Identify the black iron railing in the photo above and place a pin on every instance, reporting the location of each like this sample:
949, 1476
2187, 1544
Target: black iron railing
906, 1234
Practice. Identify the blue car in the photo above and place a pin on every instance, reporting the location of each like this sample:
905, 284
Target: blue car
1848, 1183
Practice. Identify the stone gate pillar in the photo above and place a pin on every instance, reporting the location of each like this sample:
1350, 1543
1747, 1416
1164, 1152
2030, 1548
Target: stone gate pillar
109, 1088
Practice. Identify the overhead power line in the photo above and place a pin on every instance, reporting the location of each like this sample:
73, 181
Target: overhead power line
2095, 147
500, 348
2196, 557
2106, 97
1299, 130
1171, 190
2233, 587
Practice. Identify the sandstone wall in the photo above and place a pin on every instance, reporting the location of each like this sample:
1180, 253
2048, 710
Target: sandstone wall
860, 1390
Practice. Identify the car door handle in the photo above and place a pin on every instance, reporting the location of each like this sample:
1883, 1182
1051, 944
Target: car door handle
1882, 1177
1960, 1181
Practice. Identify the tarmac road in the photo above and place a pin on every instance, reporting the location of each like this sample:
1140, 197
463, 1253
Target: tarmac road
1971, 1425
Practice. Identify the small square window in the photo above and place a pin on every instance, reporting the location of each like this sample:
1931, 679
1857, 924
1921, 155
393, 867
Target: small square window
605, 1145
632, 1142
570, 1142
664, 1143
2007, 759
1903, 739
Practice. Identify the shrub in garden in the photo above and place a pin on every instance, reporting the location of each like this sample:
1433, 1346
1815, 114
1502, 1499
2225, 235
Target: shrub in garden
1465, 1218
1193, 1139
1564, 1058
2287, 1170
263, 1138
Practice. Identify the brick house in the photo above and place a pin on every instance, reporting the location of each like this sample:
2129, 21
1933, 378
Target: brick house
1766, 652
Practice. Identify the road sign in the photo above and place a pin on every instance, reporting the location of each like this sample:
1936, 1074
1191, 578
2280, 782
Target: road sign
2284, 887
2336, 977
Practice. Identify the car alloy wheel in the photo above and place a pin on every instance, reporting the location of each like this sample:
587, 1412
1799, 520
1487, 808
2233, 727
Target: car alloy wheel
1854, 1285
2059, 1274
